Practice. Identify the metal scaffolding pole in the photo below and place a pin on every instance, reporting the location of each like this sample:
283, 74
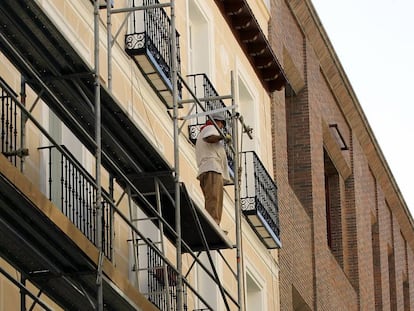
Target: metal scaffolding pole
239, 249
22, 293
109, 42
174, 78
98, 154
23, 120
23, 289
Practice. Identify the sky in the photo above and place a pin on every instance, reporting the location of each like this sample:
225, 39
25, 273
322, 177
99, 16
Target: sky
374, 42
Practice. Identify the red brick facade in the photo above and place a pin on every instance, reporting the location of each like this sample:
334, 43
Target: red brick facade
347, 235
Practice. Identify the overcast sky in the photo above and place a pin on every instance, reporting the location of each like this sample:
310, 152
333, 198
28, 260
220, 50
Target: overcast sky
374, 41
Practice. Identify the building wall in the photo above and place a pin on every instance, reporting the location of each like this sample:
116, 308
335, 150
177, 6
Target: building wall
75, 20
366, 261
368, 265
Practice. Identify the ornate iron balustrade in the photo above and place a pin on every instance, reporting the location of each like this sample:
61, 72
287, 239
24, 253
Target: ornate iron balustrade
259, 200
150, 34
203, 88
162, 282
10, 121
72, 189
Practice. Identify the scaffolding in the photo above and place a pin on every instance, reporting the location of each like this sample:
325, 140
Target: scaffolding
178, 82
154, 192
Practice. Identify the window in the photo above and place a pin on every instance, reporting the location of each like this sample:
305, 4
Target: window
207, 288
198, 57
52, 161
198, 40
406, 294
406, 283
333, 209
254, 296
392, 279
376, 263
298, 302
139, 252
249, 113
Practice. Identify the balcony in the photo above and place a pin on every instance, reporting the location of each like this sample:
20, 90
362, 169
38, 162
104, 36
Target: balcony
203, 88
259, 200
70, 187
149, 43
73, 190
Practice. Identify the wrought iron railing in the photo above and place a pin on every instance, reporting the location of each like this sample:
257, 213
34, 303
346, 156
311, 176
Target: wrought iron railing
10, 121
70, 187
259, 192
150, 32
203, 88
73, 190
162, 282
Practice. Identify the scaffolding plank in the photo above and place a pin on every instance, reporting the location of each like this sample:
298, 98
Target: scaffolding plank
216, 238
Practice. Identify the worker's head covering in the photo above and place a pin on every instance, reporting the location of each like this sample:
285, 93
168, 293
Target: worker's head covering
219, 117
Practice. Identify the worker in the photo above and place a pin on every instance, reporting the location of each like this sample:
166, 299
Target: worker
213, 172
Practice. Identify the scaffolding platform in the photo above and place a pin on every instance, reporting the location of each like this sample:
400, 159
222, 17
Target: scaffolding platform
215, 237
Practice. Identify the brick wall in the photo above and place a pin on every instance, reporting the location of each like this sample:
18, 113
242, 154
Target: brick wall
371, 266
